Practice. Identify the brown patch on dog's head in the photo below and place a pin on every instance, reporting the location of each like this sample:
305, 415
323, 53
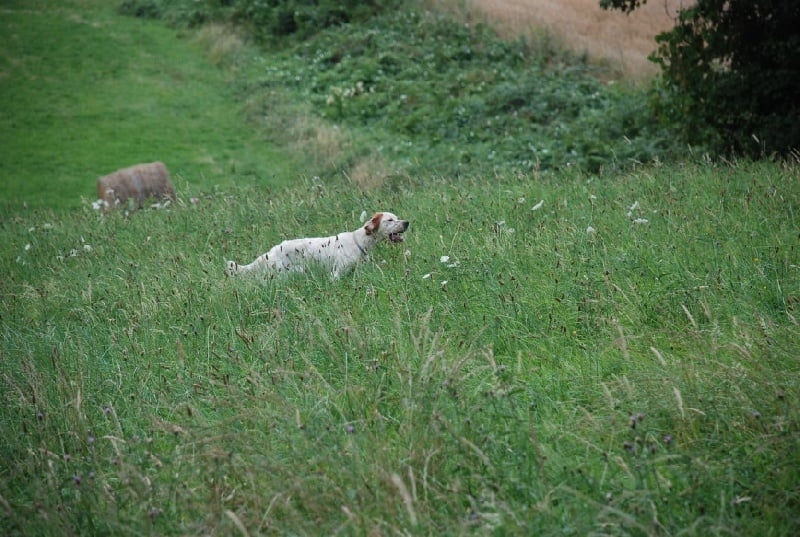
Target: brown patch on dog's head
373, 224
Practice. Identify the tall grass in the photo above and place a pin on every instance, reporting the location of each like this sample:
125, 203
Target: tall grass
618, 359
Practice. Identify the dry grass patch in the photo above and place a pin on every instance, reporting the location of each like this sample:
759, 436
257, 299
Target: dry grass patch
220, 41
623, 40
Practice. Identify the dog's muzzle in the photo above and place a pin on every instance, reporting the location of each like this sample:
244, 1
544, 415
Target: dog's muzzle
397, 237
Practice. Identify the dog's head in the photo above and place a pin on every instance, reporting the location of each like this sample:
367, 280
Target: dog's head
386, 226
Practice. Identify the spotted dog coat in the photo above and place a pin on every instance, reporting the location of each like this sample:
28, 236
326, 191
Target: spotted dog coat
337, 253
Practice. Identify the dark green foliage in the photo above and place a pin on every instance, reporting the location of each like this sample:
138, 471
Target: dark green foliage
437, 95
731, 72
456, 98
266, 20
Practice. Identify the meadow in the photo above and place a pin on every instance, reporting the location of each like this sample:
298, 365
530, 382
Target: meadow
85, 92
560, 351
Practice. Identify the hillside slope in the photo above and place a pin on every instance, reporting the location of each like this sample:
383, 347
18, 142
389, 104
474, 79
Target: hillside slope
623, 40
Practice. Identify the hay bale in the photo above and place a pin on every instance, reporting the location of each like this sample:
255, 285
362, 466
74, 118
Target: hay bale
137, 183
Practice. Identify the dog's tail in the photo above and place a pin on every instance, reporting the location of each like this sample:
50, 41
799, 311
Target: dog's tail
231, 268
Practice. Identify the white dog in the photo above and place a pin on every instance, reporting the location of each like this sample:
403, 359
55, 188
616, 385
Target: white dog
337, 253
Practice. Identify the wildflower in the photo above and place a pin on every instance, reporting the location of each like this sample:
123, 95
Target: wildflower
641, 221
76, 479
39, 416
634, 206
590, 230
756, 414
350, 428
67, 457
87, 247
444, 284
154, 512
668, 439
363, 217
537, 206
521, 200
194, 201
107, 410
426, 276
27, 247
444, 259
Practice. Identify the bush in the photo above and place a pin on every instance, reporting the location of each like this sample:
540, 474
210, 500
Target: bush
731, 69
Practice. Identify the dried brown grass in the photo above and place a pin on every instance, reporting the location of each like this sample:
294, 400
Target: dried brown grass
138, 183
623, 41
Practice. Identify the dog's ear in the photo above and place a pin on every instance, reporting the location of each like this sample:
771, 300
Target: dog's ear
373, 224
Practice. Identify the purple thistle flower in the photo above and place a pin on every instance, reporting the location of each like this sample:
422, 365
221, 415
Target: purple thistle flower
668, 439
76, 479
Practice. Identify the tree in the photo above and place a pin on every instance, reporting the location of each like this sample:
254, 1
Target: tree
731, 73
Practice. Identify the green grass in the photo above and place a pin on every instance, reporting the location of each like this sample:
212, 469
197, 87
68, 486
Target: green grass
86, 91
554, 353
640, 379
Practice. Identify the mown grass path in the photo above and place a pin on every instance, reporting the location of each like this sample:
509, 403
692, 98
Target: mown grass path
85, 91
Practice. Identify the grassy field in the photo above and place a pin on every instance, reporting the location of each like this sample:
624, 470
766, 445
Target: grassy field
560, 353
84, 91
623, 40
570, 356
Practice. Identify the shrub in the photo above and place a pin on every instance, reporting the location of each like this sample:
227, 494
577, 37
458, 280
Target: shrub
731, 69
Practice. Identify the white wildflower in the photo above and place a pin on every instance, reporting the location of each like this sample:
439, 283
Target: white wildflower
590, 230
634, 206
641, 221
27, 247
444, 259
87, 247
537, 206
426, 276
521, 200
363, 217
